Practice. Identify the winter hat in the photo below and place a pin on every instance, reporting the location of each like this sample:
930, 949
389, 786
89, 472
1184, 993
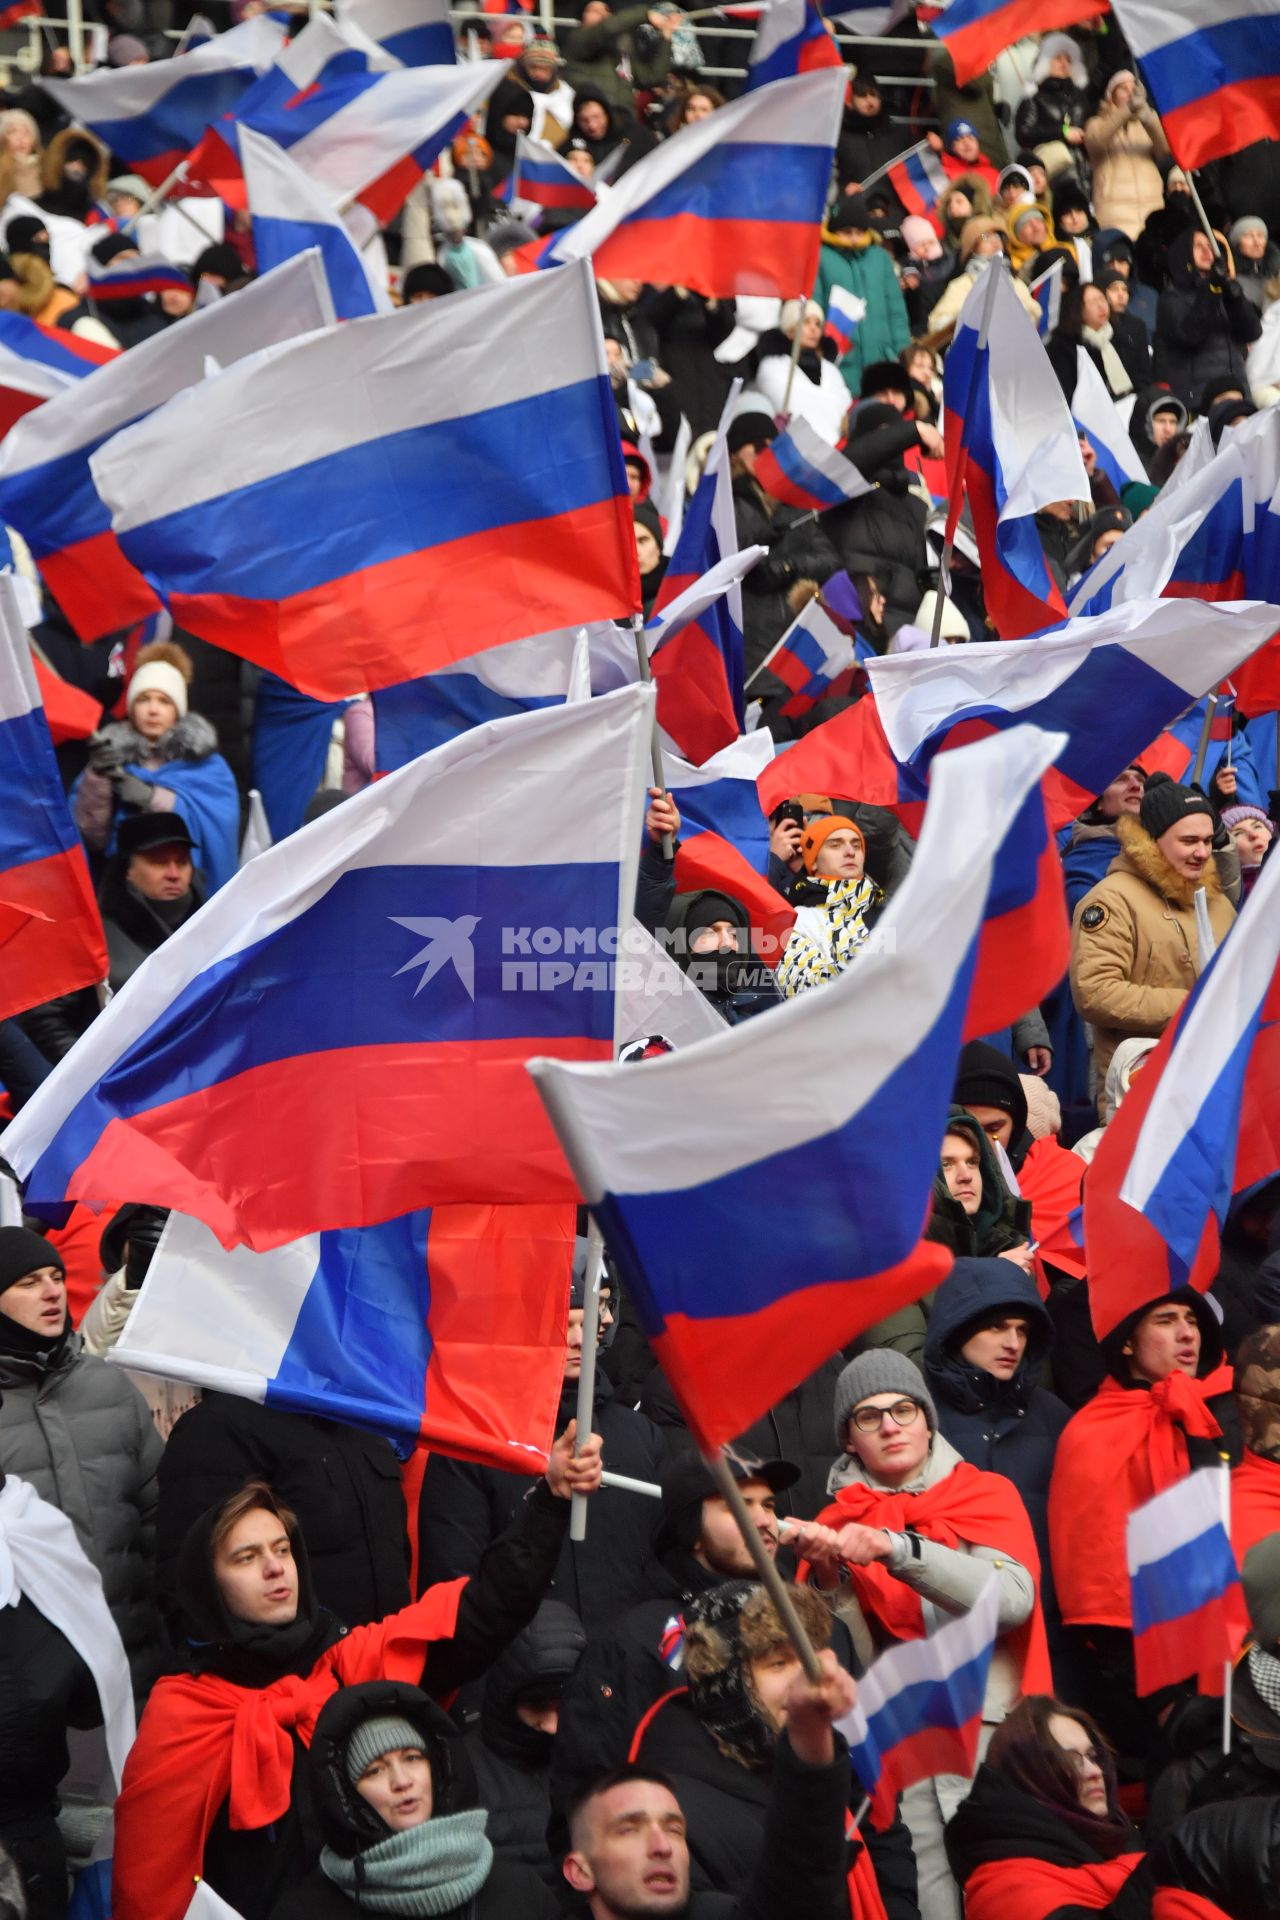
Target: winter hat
1232, 816
1138, 496
710, 906
870, 414
130, 183
725, 1630
1044, 1109
1011, 173
1164, 803
884, 376
22, 1252
125, 49
1069, 197
819, 831
373, 1738
158, 676
426, 278
543, 48
647, 515
957, 129
1049, 257
954, 625
1247, 223
1167, 403
972, 231
111, 246
1022, 214
880, 1370
751, 429
852, 212
20, 236
1257, 1390
988, 1077
221, 260
790, 317
1110, 277
1224, 413
921, 237
1260, 1578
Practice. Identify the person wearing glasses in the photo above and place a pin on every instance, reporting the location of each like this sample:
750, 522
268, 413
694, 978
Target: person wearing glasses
909, 1543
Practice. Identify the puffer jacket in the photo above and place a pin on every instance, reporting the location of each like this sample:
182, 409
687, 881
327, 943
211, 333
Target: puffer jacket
884, 329
1001, 1426
1134, 953
1204, 325
83, 1436
1055, 105
1123, 149
512, 1762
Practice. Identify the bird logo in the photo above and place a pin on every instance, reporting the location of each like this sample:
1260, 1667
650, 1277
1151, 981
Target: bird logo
448, 943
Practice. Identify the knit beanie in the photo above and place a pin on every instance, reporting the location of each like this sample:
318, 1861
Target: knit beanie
373, 1738
157, 676
988, 1078
818, 831
1044, 1109
880, 1371
921, 236
1232, 816
1260, 1577
751, 428
113, 246
1164, 803
22, 1252
1247, 223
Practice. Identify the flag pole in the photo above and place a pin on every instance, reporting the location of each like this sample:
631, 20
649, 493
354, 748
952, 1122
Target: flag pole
770, 1579
878, 173
587, 1368
953, 515
162, 192
1202, 745
795, 357
1226, 1665
659, 771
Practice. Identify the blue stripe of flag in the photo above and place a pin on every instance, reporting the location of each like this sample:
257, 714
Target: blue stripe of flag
1185, 1580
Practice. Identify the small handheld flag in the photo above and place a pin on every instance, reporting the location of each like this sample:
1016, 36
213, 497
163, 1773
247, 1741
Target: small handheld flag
919, 1708
845, 313
813, 658
1188, 1604
133, 278
792, 38
919, 179
544, 181
800, 469
1046, 291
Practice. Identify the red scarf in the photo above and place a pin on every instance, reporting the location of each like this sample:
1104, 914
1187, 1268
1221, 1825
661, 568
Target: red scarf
1118, 1452
1255, 1502
968, 1508
1030, 1889
203, 1741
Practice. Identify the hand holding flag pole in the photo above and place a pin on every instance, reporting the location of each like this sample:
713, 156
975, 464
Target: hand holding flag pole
587, 1368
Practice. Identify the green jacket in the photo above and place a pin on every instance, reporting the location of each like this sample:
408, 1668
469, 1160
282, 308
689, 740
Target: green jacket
592, 55
868, 272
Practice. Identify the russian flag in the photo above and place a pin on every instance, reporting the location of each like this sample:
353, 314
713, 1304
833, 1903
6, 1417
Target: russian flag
1107, 683
813, 658
71, 713
542, 179
974, 32
46, 489
290, 214
1097, 416
458, 490
444, 1328
1046, 290
699, 668
128, 278
800, 469
415, 32
338, 1036
730, 205
1212, 69
36, 363
843, 1118
1188, 1605
720, 797
849, 758
845, 313
1199, 541
919, 179
1200, 1125
151, 117
791, 38
1174, 750
521, 677
1012, 447
49, 925
919, 1708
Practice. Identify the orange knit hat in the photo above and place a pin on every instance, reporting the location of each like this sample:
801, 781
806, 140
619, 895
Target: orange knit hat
817, 831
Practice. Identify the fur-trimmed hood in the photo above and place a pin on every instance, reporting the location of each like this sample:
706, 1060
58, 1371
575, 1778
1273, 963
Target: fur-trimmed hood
1140, 855
191, 738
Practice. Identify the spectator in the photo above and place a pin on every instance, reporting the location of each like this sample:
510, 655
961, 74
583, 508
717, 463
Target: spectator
981, 242
1125, 142
75, 175
21, 154
1156, 423
1128, 1060
126, 1251
1053, 113
713, 945
853, 259
1134, 948
594, 52
881, 533
798, 547
974, 102
1132, 341
650, 558
255, 1640
1253, 831
1205, 323
963, 152
967, 198
1255, 1483
1073, 223
510, 1750
926, 270
1085, 321
399, 1811
837, 904
868, 138
1095, 839
1257, 260
78, 1433
807, 385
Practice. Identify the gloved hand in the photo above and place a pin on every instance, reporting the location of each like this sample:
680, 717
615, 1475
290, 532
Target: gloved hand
105, 756
130, 791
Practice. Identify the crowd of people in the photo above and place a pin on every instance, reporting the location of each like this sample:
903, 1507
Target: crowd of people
263, 1649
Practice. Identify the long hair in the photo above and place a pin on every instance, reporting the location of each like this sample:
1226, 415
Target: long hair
1024, 1752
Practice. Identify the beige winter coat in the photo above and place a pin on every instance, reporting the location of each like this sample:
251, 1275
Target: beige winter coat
1123, 149
1134, 953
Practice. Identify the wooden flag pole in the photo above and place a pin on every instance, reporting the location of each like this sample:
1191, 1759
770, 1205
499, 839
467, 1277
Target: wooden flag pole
770, 1579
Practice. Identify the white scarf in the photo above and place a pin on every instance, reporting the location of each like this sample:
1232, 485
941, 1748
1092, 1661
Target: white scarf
41, 1558
1113, 367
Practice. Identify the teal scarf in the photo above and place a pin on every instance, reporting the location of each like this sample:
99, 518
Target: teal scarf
428, 1869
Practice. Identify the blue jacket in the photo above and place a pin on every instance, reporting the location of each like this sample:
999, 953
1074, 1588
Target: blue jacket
1000, 1426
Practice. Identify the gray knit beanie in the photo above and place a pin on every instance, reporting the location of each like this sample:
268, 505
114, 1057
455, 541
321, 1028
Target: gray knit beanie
880, 1371
373, 1738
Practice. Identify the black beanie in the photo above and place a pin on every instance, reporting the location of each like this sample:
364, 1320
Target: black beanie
751, 429
852, 214
710, 907
22, 1251
1165, 803
989, 1077
112, 246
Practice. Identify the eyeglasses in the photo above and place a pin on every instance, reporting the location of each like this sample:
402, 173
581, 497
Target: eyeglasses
903, 1413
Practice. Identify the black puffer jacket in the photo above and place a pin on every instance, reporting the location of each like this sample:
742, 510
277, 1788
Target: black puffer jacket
344, 1486
799, 549
1203, 325
349, 1826
512, 1761
1043, 115
463, 1507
